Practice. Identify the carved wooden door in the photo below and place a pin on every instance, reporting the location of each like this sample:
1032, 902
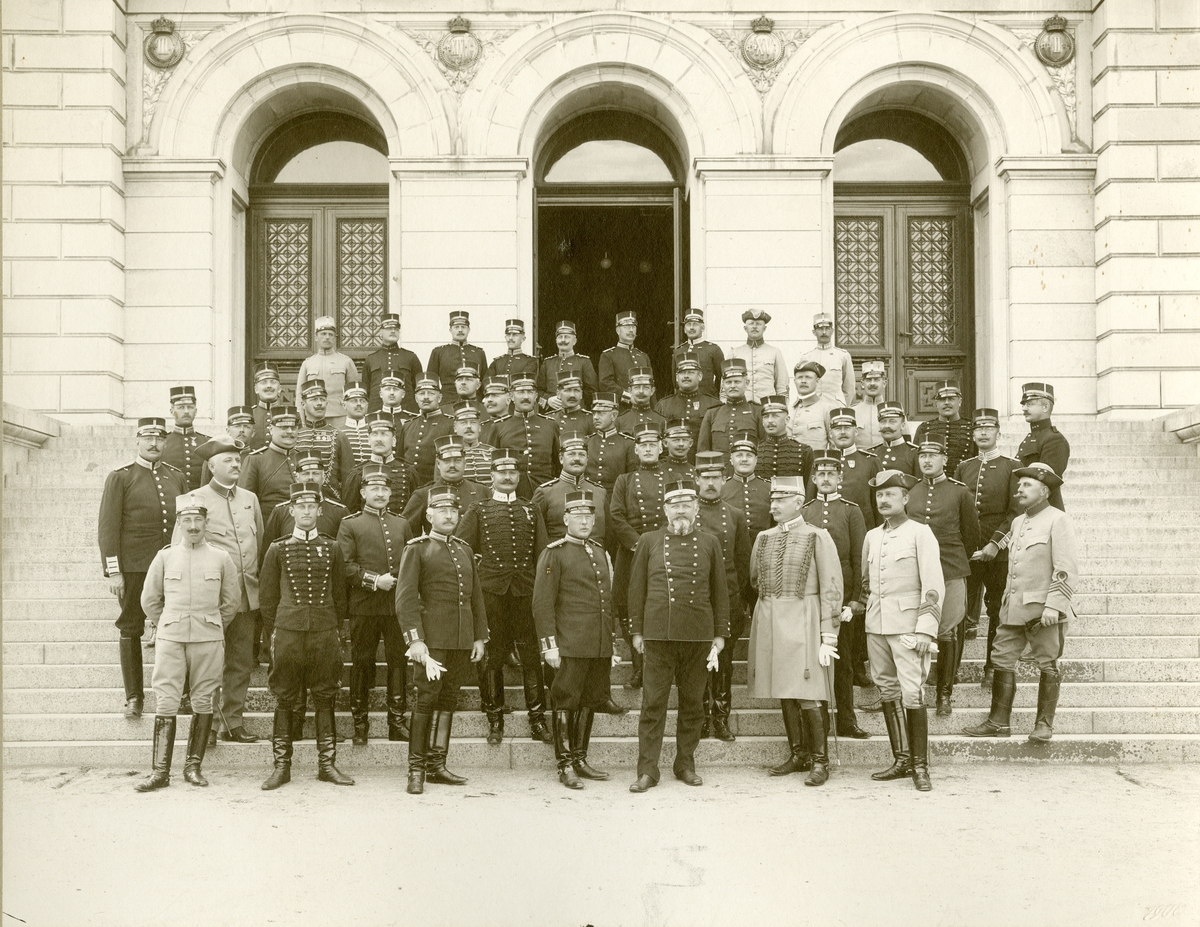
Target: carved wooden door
320, 252
902, 267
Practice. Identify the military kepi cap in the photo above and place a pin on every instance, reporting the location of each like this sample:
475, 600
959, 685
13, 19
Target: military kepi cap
1037, 391
374, 473
604, 402
828, 459
579, 499
460, 315
305, 492
428, 382
354, 390
843, 415
190, 505
265, 370
151, 426
822, 318
932, 446
566, 325
1041, 472
514, 325
947, 388
641, 375
504, 461
887, 479
239, 415
442, 498
696, 315
709, 462
627, 316
285, 415
380, 419
744, 441
734, 367
774, 404
676, 427
646, 431
390, 320
219, 444
688, 360
987, 417
787, 486
890, 408
572, 439
182, 392
680, 489
874, 368
449, 446
313, 386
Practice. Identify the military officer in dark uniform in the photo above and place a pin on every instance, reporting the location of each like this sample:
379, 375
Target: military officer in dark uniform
528, 435
507, 535
689, 402
322, 440
779, 455
449, 476
610, 452
566, 359
445, 360
401, 478
636, 508
949, 427
896, 452
571, 416
354, 400
946, 506
576, 628
270, 396
640, 390
137, 517
991, 479
430, 424
736, 414
1044, 443
679, 461
843, 520
747, 492
514, 362
721, 519
858, 466
267, 471
394, 399
679, 619
390, 359
550, 497
279, 523
466, 389
439, 602
708, 355
372, 541
179, 450
617, 362
496, 398
477, 456
302, 593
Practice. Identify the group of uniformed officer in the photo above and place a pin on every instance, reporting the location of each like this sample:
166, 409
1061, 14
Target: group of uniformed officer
536, 509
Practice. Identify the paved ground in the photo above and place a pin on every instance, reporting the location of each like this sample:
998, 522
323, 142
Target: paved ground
993, 844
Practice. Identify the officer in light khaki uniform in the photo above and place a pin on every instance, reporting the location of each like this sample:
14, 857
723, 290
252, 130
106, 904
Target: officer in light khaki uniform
1043, 567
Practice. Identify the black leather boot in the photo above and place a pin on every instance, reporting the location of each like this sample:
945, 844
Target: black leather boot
722, 703
535, 692
918, 738
635, 679
281, 749
397, 691
706, 704
817, 728
131, 676
418, 751
945, 673
327, 749
439, 746
490, 675
197, 744
360, 693
164, 748
581, 741
793, 724
1004, 687
297, 716
1048, 686
564, 723
897, 729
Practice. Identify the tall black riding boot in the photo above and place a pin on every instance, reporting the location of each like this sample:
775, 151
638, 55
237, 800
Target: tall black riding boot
418, 750
1048, 686
281, 749
360, 694
164, 748
581, 741
918, 738
793, 724
563, 723
131, 676
197, 744
897, 729
817, 728
327, 749
945, 673
490, 674
439, 746
397, 693
710, 685
1004, 687
722, 683
297, 715
535, 692
635, 680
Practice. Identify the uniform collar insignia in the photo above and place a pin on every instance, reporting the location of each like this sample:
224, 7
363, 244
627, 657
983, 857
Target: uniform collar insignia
504, 496
143, 462
832, 497
301, 535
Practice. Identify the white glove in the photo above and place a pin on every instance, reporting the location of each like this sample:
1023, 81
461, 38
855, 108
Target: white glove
847, 614
826, 654
616, 659
433, 669
712, 657
552, 658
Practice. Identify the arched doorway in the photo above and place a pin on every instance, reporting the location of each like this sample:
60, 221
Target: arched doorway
610, 231
317, 239
903, 254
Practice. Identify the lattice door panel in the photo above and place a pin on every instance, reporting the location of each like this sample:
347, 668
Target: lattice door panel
859, 279
361, 280
933, 315
287, 283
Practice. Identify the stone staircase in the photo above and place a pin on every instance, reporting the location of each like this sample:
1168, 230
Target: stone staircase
1131, 667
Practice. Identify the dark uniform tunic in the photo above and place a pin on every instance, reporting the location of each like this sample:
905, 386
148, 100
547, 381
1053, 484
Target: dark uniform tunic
722, 520
783, 457
333, 447
401, 478
1046, 444
419, 437
711, 359
629, 420
550, 500
418, 502
555, 364
955, 435
179, 450
372, 544
609, 456
280, 523
635, 508
513, 366
267, 472
446, 359
302, 593
573, 612
722, 423
691, 409
137, 517
858, 469
752, 498
900, 455
567, 422
676, 469
533, 440
615, 364
949, 509
402, 363
262, 420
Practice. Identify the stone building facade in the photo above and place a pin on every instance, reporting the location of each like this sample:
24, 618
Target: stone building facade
147, 243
